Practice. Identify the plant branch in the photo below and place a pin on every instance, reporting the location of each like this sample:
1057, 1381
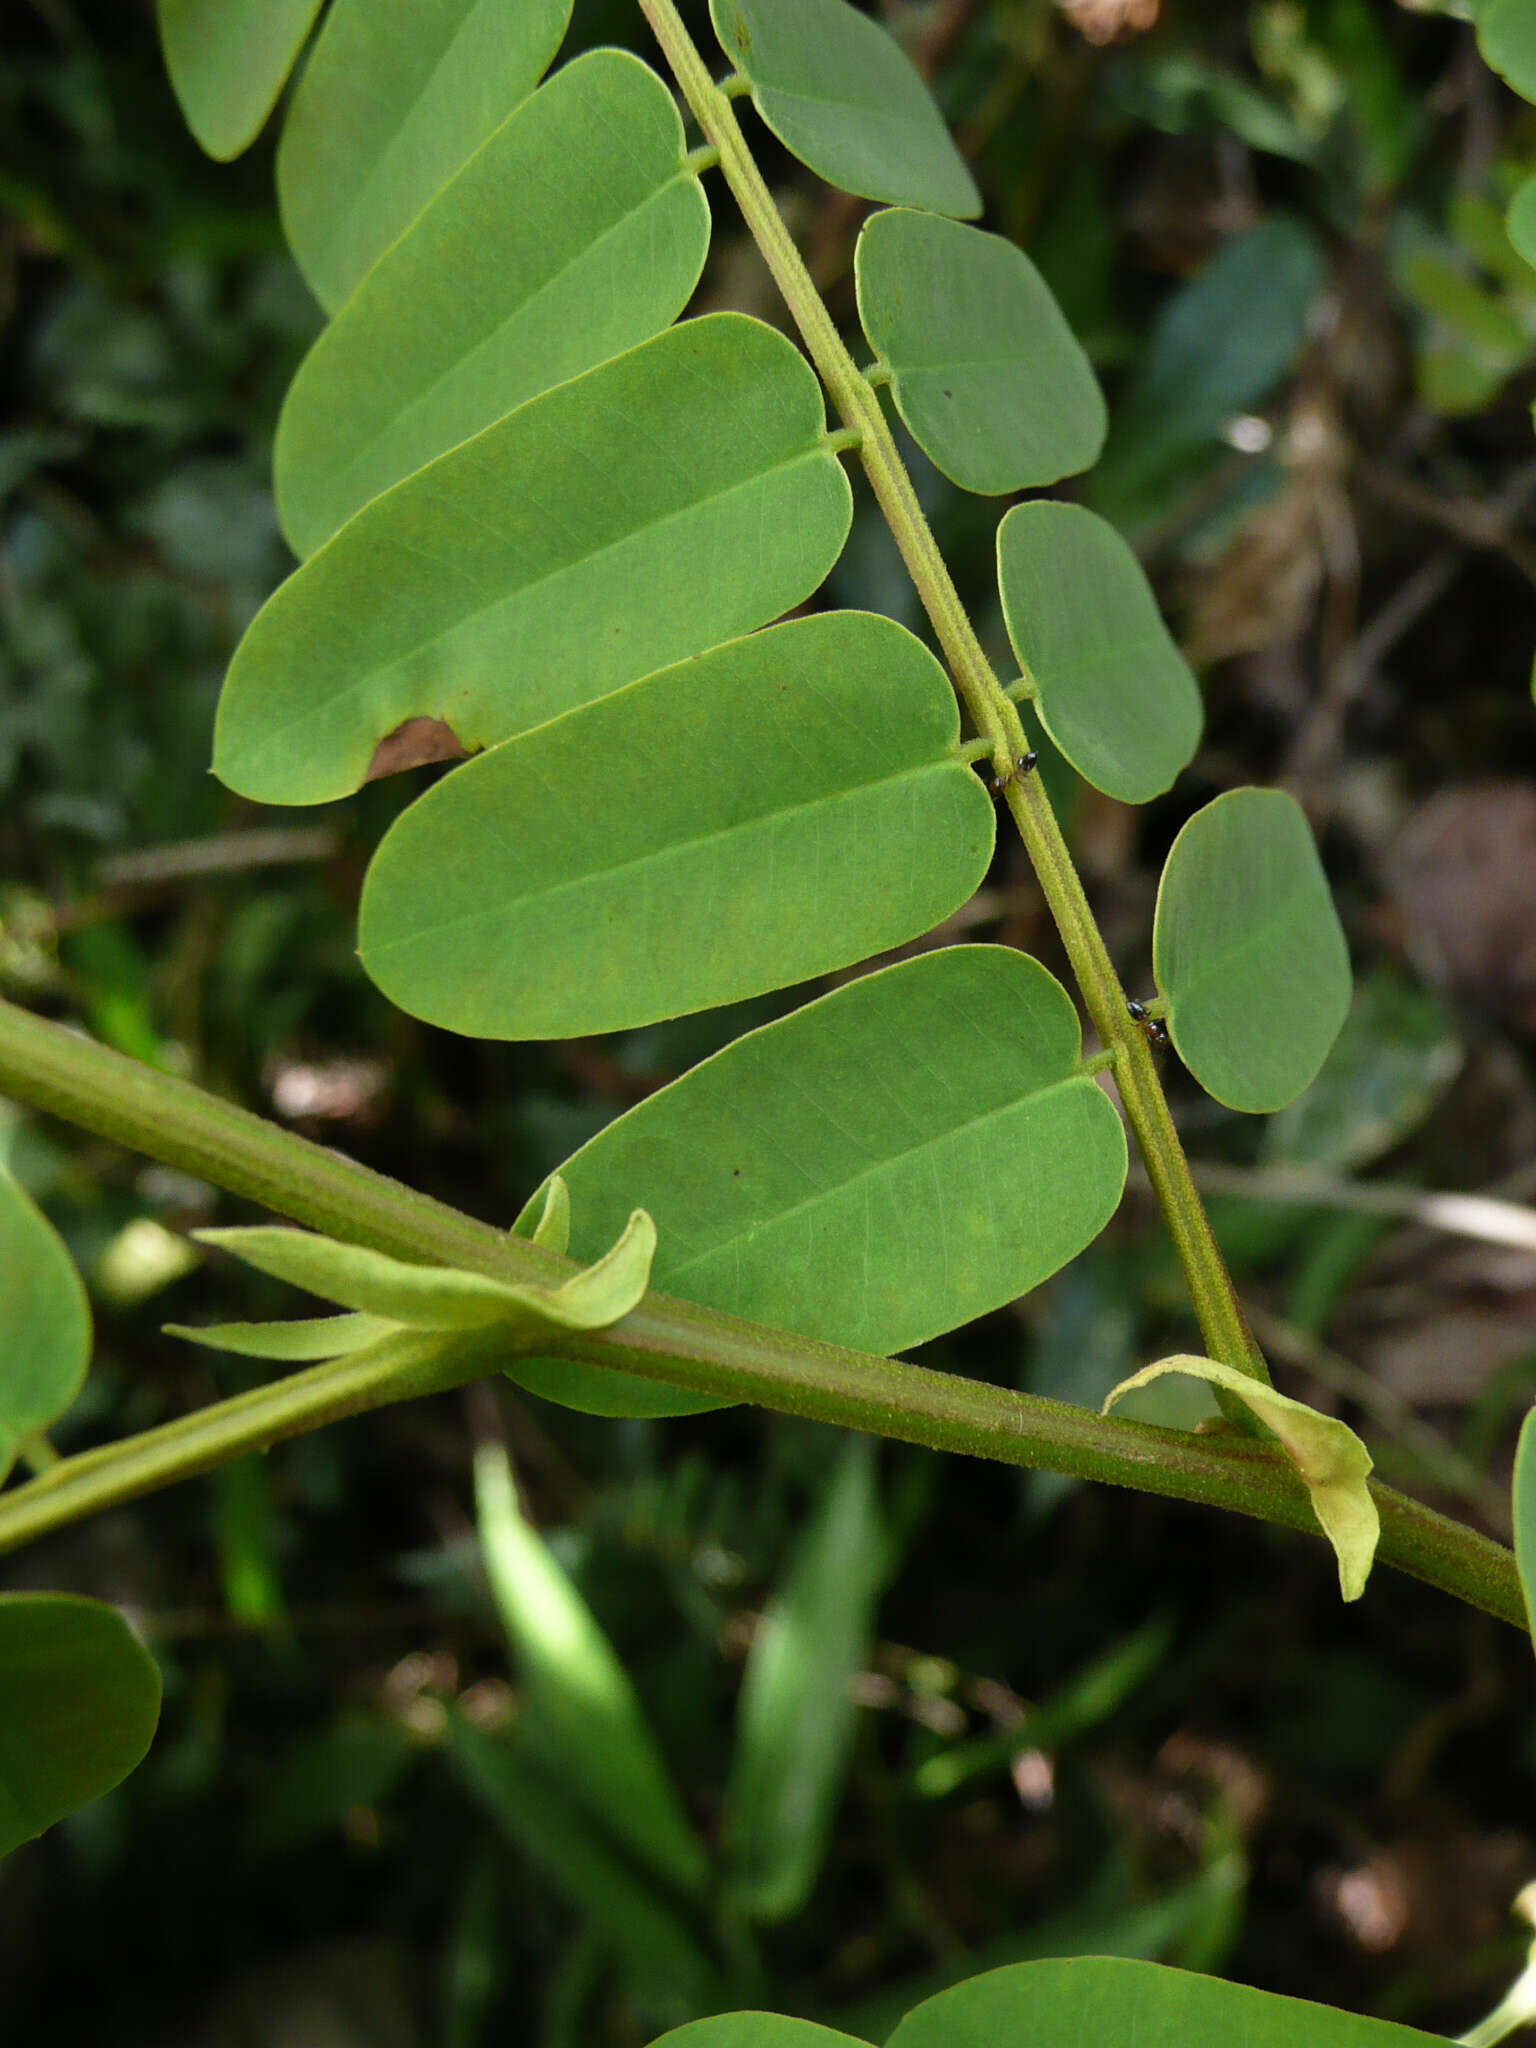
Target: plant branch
674, 1342
1222, 1325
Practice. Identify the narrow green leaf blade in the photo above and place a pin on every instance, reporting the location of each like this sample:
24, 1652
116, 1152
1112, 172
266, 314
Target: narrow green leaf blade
672, 498
45, 1322
1326, 1452
846, 100
905, 1154
1506, 35
660, 866
795, 1722
653, 1939
79, 1699
991, 381
1248, 949
1525, 1516
582, 1711
1099, 1998
228, 60
396, 97
436, 343
315, 1337
1114, 692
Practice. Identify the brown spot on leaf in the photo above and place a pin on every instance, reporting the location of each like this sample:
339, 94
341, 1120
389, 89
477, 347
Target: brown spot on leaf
413, 745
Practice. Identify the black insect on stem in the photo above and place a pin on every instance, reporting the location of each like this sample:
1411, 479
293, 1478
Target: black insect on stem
1154, 1027
998, 783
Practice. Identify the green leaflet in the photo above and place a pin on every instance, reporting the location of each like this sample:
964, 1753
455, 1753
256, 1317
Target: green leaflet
1522, 220
79, 1699
909, 1152
45, 1318
1248, 949
1506, 35
441, 1297
396, 97
228, 60
755, 2030
315, 1337
573, 234
991, 381
1326, 1452
846, 100
583, 1717
796, 1718
1113, 691
672, 498
1525, 1515
1117, 2003
661, 864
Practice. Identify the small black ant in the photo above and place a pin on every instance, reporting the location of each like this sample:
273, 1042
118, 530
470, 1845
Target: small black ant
998, 783
1154, 1027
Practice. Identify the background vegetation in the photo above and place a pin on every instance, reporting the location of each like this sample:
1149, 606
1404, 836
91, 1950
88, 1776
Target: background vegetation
1087, 1721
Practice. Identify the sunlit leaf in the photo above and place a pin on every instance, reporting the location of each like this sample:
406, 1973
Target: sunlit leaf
755, 2030
441, 1297
1113, 691
844, 98
315, 1337
1248, 949
909, 1152
79, 1699
660, 865
678, 495
1100, 1999
397, 95
228, 60
572, 235
582, 1715
991, 381
1326, 1452
45, 1322
795, 1722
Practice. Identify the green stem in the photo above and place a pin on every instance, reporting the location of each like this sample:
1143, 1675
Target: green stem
673, 1342
992, 711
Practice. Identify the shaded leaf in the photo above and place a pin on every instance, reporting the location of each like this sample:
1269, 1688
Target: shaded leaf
572, 235
228, 60
660, 865
905, 1154
1522, 220
1248, 949
440, 1297
315, 1337
396, 97
845, 99
1112, 689
677, 495
583, 1716
796, 1717
1506, 35
1326, 1452
79, 1699
1063, 2004
1525, 1516
45, 1322
989, 378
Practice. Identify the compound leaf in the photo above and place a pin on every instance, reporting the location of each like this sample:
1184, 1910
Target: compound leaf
228, 60
45, 1322
678, 495
1062, 2004
845, 99
661, 864
1113, 691
396, 97
1326, 1452
905, 1154
991, 381
1248, 949
79, 1699
573, 234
